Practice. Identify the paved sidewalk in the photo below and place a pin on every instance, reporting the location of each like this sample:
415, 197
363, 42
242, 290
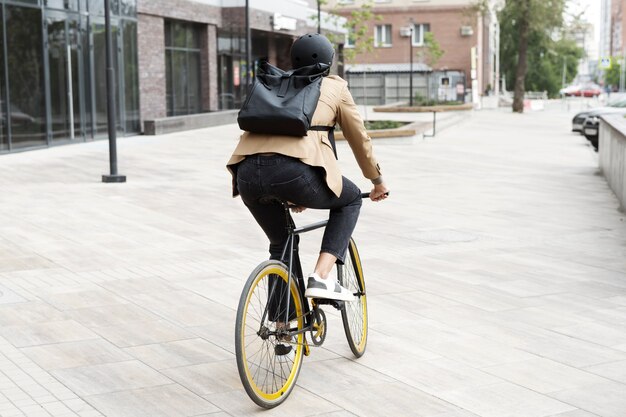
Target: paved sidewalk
496, 275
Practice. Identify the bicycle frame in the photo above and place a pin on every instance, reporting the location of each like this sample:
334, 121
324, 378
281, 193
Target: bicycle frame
292, 233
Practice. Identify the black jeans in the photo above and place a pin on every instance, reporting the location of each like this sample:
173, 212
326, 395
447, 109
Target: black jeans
263, 177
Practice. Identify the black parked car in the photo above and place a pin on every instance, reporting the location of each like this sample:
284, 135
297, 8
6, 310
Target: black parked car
590, 129
591, 125
579, 119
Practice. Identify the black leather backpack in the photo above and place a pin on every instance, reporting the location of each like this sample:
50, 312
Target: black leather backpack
282, 102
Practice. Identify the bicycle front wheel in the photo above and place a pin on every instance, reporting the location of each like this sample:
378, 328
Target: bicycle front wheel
354, 313
268, 349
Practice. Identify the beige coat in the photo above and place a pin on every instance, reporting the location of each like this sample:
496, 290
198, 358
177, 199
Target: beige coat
335, 106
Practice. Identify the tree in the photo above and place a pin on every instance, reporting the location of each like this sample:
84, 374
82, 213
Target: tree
612, 74
431, 52
358, 24
530, 33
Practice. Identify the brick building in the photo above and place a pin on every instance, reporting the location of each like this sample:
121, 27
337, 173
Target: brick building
468, 38
192, 52
613, 24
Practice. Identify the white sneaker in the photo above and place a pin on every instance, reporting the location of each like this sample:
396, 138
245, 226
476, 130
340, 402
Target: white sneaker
327, 288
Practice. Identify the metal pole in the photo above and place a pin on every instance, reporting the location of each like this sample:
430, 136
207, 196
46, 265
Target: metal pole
564, 73
70, 92
248, 46
622, 74
411, 66
113, 176
497, 83
319, 16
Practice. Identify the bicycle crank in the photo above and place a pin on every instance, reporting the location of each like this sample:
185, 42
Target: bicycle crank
318, 331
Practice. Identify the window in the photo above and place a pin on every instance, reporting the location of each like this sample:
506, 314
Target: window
26, 95
382, 36
350, 39
182, 68
419, 29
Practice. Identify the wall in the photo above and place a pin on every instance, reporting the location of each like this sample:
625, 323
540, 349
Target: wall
612, 150
151, 51
445, 24
151, 58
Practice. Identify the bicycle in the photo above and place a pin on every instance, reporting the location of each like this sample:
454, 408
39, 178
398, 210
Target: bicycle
273, 318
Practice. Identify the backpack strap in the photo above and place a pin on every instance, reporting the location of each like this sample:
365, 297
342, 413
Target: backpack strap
331, 135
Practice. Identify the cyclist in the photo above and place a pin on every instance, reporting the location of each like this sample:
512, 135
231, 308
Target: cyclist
305, 172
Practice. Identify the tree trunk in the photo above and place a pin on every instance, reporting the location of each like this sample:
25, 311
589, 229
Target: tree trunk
522, 58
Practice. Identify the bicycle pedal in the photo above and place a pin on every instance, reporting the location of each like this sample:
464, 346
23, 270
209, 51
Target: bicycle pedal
282, 349
338, 304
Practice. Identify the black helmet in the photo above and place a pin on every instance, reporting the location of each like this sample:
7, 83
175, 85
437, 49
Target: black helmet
311, 49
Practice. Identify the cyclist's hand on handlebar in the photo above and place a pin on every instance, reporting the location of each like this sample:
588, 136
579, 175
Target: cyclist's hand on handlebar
379, 192
297, 209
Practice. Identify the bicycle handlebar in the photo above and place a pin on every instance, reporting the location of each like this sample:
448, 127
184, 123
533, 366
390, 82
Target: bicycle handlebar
363, 195
367, 195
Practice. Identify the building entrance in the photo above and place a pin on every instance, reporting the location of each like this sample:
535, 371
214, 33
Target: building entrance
65, 77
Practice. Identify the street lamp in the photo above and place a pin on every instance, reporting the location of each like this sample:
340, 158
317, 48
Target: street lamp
248, 41
110, 83
319, 16
411, 29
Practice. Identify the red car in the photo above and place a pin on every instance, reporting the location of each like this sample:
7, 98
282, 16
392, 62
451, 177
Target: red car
588, 90
591, 91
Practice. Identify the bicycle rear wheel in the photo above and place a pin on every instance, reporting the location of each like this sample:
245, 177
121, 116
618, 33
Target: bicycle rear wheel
354, 313
267, 372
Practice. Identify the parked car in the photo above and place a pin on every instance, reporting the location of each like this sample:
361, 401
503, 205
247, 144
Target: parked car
579, 119
590, 130
591, 90
582, 90
17, 115
570, 90
591, 126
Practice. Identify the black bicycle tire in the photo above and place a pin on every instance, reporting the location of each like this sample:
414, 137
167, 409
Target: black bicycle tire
239, 354
353, 260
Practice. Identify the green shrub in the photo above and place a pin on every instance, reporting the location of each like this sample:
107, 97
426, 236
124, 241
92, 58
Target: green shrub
378, 125
383, 124
420, 100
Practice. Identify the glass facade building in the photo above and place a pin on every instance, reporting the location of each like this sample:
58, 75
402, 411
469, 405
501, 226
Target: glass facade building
52, 71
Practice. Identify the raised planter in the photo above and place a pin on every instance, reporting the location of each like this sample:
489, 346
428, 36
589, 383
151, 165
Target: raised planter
612, 153
424, 109
410, 129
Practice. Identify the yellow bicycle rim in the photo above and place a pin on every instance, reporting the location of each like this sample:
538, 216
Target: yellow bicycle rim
270, 396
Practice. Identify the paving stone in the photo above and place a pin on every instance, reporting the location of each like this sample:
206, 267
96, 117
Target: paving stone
75, 354
611, 370
237, 403
46, 333
390, 399
29, 313
606, 399
544, 375
106, 378
142, 332
207, 378
505, 399
163, 401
